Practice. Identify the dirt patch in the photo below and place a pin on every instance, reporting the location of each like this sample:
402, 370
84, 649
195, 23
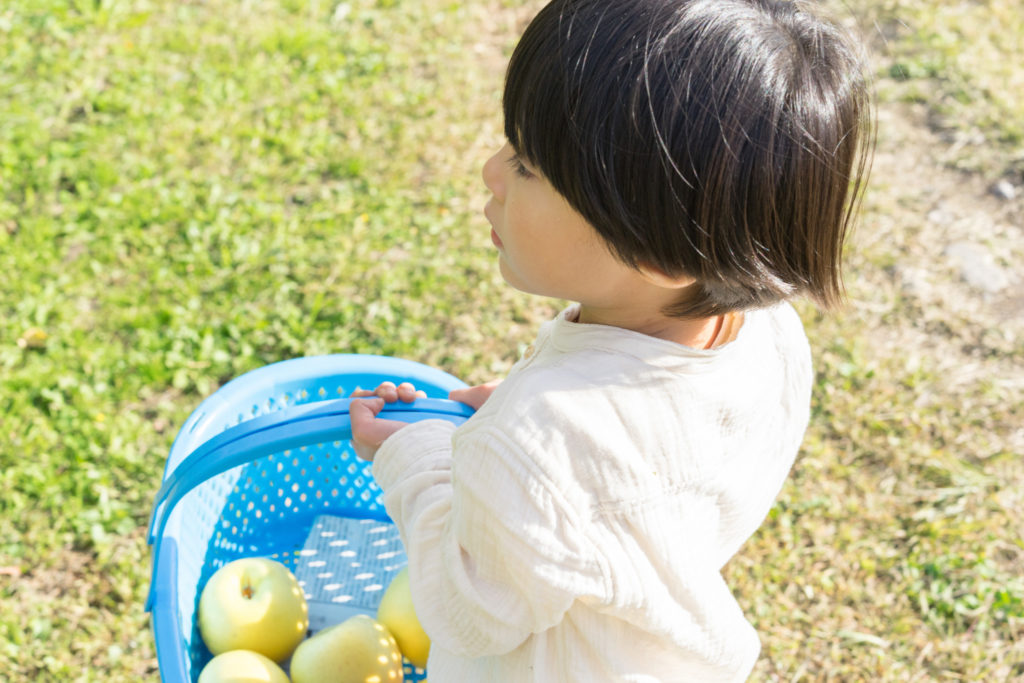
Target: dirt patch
936, 266
961, 237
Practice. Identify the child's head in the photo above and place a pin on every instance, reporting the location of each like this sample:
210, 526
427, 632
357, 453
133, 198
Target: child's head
723, 140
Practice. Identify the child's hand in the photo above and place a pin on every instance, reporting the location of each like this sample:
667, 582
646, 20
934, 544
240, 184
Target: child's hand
475, 396
369, 431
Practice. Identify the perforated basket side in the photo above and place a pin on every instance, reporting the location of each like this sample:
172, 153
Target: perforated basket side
270, 507
193, 526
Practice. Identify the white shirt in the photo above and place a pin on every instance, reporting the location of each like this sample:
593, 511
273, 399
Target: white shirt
574, 528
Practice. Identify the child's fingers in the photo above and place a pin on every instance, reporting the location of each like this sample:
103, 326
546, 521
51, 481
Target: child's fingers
369, 432
387, 391
471, 396
362, 415
408, 393
475, 396
367, 409
460, 394
390, 393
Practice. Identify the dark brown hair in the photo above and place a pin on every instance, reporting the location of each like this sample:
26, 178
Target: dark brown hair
726, 140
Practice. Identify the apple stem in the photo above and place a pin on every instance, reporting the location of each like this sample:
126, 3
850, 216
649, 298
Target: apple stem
247, 591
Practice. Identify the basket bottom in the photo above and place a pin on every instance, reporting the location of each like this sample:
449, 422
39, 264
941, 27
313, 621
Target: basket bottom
343, 565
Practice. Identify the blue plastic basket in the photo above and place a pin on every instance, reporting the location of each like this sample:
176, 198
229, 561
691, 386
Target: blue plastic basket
263, 467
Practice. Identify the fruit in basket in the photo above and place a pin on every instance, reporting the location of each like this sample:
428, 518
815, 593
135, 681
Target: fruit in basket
242, 666
253, 604
397, 614
357, 650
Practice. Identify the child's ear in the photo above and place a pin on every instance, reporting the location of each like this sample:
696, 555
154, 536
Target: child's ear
658, 277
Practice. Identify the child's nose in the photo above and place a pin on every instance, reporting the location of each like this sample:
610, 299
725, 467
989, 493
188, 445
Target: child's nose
493, 177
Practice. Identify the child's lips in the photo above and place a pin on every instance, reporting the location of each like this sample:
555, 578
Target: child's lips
494, 235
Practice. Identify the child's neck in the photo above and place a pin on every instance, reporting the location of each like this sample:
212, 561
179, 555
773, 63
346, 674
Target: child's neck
698, 333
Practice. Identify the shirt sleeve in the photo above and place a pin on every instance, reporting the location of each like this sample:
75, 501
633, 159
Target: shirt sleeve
495, 553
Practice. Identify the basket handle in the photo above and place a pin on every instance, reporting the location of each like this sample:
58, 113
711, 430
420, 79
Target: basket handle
291, 428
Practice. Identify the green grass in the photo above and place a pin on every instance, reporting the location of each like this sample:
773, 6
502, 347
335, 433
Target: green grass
963, 59
190, 190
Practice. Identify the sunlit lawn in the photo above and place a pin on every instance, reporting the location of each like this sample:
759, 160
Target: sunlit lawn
193, 189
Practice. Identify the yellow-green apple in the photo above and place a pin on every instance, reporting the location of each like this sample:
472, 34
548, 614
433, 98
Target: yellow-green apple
253, 604
242, 666
397, 614
357, 650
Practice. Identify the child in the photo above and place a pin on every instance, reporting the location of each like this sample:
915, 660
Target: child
678, 169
